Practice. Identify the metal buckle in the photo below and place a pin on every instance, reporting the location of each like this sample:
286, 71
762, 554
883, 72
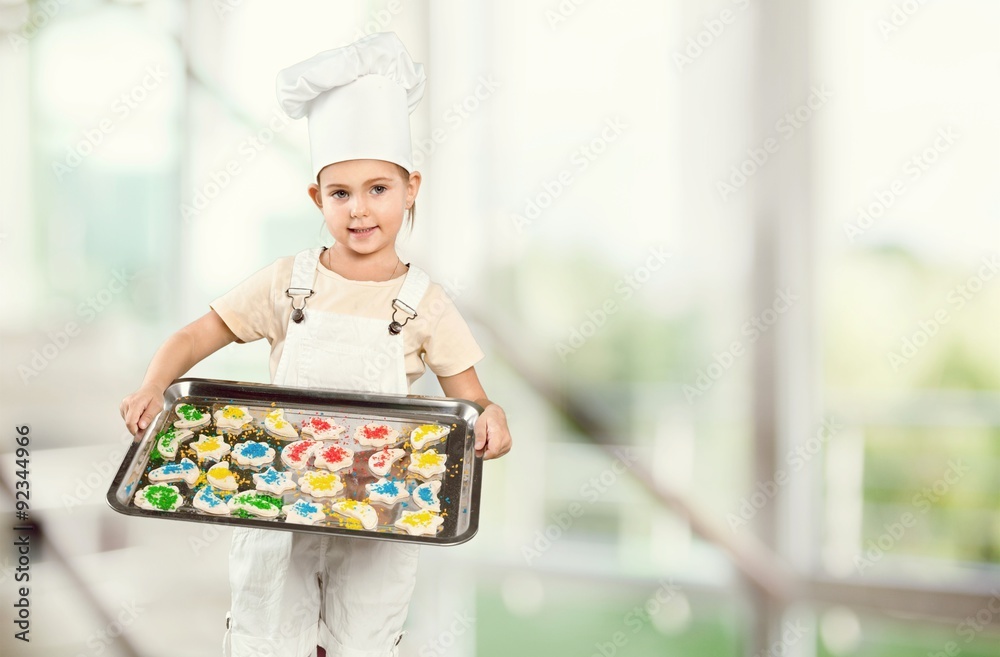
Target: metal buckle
395, 327
298, 295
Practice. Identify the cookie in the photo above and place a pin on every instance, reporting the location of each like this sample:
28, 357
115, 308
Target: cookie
319, 428
303, 513
232, 418
276, 425
254, 503
320, 483
296, 455
208, 501
159, 497
190, 417
387, 491
426, 496
221, 477
376, 435
333, 457
210, 446
381, 461
426, 435
253, 453
360, 511
419, 523
185, 471
427, 464
168, 440
273, 481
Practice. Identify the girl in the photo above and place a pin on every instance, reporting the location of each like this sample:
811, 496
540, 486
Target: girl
327, 315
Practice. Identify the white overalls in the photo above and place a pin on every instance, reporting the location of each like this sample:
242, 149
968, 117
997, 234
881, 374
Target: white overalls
292, 591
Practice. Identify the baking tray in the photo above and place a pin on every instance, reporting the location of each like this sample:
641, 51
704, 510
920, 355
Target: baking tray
460, 483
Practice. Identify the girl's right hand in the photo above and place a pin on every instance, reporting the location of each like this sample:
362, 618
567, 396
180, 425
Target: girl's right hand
139, 409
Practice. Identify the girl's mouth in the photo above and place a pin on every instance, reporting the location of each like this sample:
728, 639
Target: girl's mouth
362, 232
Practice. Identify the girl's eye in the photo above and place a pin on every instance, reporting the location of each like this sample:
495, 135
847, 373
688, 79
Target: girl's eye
339, 194
378, 189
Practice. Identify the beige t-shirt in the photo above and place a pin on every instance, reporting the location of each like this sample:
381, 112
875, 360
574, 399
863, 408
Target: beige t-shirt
438, 336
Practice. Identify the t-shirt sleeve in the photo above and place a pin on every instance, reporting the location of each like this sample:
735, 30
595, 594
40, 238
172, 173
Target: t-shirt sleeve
450, 347
248, 308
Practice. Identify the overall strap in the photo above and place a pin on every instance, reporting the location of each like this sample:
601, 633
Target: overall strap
300, 287
414, 287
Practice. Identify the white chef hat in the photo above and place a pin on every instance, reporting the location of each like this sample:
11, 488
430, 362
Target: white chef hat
358, 99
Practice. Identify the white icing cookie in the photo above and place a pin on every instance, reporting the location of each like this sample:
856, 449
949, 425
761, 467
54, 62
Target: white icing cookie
168, 440
303, 513
333, 457
426, 496
320, 483
381, 461
232, 418
360, 511
427, 434
427, 464
273, 481
185, 471
321, 428
221, 477
387, 491
296, 455
376, 435
417, 523
276, 425
210, 446
189, 417
206, 500
255, 503
253, 453
159, 497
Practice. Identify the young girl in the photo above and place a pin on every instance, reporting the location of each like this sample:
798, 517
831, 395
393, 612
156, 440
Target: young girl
353, 317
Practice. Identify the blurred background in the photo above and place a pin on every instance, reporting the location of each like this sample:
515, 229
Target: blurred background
734, 264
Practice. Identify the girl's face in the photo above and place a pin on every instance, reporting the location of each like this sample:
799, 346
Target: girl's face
364, 201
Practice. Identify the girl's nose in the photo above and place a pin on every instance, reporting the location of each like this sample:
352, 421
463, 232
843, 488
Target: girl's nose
359, 209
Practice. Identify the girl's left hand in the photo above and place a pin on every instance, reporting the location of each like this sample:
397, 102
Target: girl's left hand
492, 435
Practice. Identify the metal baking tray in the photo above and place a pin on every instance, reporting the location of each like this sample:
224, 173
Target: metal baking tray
460, 483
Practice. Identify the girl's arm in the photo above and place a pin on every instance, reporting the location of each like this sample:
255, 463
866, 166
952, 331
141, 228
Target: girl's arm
492, 435
182, 351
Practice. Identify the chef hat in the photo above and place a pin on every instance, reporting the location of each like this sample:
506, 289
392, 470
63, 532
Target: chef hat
358, 99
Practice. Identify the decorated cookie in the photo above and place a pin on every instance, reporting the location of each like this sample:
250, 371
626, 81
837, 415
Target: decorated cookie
169, 439
381, 461
296, 455
427, 464
333, 457
232, 418
426, 496
320, 483
208, 501
303, 513
387, 491
253, 453
320, 428
376, 435
159, 497
273, 481
210, 446
276, 425
185, 471
361, 511
255, 503
417, 523
221, 477
427, 434
189, 417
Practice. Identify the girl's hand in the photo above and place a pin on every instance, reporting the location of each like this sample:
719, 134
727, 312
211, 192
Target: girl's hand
139, 408
492, 435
